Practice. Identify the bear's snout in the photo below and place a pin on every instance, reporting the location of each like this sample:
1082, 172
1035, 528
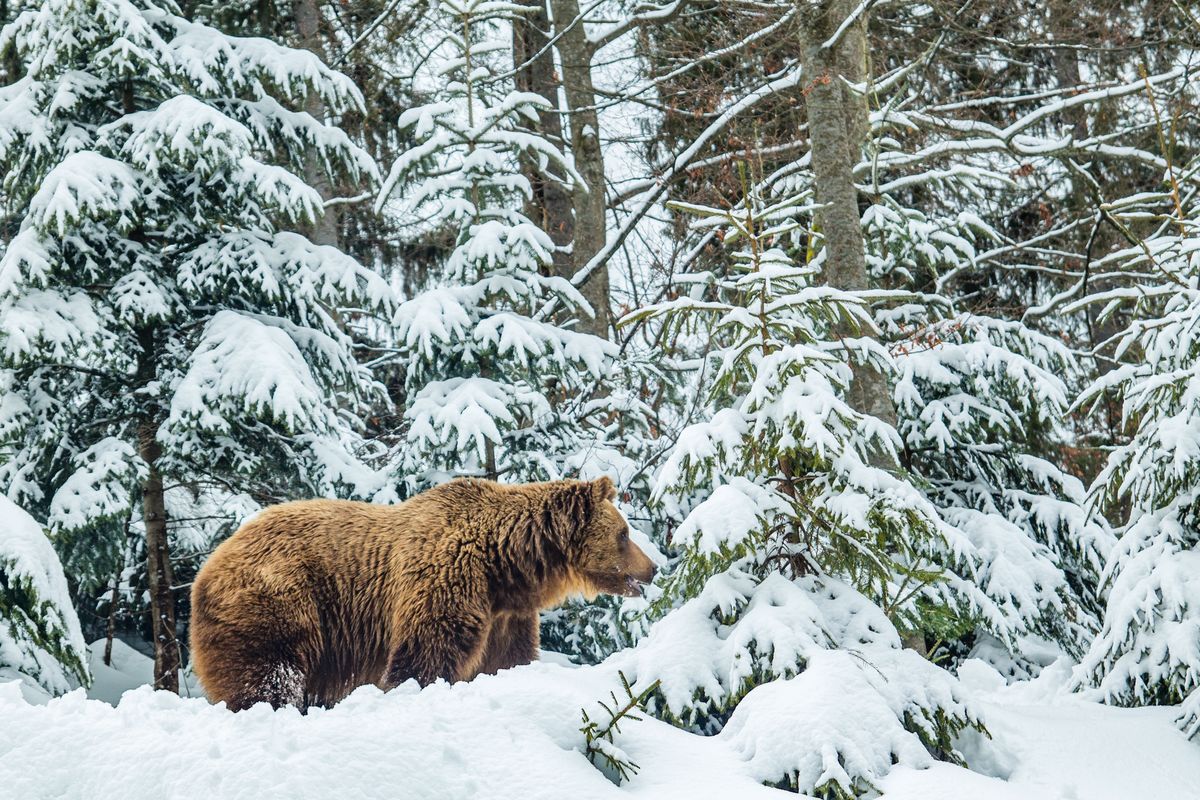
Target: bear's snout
640, 568
647, 576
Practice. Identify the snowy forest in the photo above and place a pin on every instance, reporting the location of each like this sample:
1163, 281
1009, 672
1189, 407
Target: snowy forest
883, 317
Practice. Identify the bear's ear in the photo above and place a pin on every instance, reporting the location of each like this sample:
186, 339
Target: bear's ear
603, 489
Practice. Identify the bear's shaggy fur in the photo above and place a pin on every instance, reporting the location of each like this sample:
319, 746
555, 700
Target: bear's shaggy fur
310, 599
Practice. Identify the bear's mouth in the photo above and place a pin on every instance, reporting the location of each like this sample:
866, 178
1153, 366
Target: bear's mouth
623, 585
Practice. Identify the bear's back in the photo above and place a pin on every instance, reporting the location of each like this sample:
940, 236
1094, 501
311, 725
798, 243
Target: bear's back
306, 544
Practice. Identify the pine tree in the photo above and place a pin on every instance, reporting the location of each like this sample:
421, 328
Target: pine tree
783, 446
493, 384
161, 325
980, 402
981, 392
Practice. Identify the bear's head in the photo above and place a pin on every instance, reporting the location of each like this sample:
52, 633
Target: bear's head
601, 557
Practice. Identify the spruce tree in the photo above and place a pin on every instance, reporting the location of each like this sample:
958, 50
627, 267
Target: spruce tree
794, 527
1146, 652
161, 325
981, 402
789, 457
496, 380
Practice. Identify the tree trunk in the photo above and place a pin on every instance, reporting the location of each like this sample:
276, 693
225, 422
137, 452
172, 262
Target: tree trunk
837, 124
551, 207
158, 563
114, 600
1063, 22
110, 626
154, 509
575, 54
1063, 25
324, 230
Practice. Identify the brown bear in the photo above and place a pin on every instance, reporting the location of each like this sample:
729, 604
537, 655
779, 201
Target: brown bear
311, 599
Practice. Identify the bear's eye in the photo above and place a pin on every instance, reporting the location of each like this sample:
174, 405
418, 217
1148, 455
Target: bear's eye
624, 536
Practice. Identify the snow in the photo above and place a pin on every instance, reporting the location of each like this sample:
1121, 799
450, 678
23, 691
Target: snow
129, 670
725, 519
242, 365
98, 488
181, 130
1060, 746
468, 410
1150, 643
50, 321
83, 184
516, 735
825, 726
202, 52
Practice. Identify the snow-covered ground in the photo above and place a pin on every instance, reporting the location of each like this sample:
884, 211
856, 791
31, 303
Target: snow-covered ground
129, 670
517, 735
1051, 745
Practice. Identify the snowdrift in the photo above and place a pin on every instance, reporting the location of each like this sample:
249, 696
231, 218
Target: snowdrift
516, 735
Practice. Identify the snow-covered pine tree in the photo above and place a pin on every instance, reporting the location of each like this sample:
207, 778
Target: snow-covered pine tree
796, 507
782, 436
499, 377
986, 369
160, 325
493, 384
1148, 651
980, 404
40, 640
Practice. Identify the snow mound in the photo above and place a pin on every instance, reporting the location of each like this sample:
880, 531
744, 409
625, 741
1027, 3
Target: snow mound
825, 726
516, 735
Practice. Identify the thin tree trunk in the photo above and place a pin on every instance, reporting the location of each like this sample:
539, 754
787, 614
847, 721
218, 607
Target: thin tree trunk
325, 230
1063, 21
158, 563
551, 207
837, 124
575, 54
110, 627
114, 600
154, 509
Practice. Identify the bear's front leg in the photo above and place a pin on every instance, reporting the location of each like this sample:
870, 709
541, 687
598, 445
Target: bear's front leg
512, 641
448, 646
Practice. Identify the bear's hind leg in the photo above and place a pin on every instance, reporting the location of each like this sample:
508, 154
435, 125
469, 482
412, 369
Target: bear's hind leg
243, 666
281, 683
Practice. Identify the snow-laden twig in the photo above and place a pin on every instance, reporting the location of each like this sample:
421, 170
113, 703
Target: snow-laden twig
600, 738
